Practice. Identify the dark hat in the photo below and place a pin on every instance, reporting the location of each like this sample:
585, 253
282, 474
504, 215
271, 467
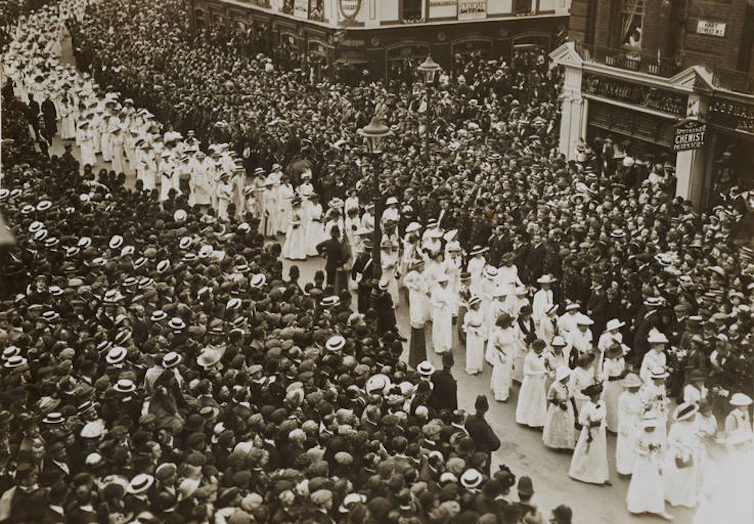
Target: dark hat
562, 515
525, 486
590, 391
481, 403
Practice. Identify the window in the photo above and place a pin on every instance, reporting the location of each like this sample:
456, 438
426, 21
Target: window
411, 9
632, 18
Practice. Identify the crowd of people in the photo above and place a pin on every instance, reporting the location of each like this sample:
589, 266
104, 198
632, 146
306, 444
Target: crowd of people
152, 328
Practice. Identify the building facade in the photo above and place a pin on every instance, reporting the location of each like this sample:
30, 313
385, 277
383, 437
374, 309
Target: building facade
671, 76
384, 37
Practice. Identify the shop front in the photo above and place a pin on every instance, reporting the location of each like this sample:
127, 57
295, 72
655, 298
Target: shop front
707, 132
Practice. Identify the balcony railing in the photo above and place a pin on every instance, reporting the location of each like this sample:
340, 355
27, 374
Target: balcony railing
628, 59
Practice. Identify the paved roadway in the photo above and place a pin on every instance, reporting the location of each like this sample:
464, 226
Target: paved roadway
522, 449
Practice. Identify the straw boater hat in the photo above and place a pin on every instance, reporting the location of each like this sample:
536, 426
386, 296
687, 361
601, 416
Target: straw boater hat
614, 324
632, 380
656, 337
685, 411
739, 400
425, 368
546, 279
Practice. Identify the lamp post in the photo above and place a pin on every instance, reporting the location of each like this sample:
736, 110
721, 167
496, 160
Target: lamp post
374, 135
429, 69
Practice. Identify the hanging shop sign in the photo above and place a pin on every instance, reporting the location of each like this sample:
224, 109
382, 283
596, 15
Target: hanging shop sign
301, 9
636, 94
689, 135
349, 8
472, 9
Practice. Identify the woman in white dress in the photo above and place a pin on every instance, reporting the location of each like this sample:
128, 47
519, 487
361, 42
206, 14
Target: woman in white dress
645, 491
581, 377
491, 317
314, 228
525, 335
417, 311
116, 148
629, 417
294, 247
613, 370
681, 468
87, 145
559, 430
501, 342
224, 196
68, 126
507, 274
442, 315
589, 461
285, 204
531, 409
554, 358
389, 261
546, 327
475, 267
473, 323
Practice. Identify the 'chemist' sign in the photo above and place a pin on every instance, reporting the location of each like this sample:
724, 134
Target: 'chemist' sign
689, 135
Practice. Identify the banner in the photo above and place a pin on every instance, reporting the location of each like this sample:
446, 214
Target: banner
689, 135
301, 9
472, 9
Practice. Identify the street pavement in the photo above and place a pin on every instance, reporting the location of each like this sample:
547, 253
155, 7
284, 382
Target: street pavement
521, 449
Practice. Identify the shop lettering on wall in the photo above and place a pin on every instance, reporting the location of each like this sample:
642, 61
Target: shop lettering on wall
734, 115
472, 9
636, 94
689, 135
352, 43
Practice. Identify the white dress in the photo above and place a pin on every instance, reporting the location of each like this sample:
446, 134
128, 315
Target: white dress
531, 409
475, 268
442, 319
629, 416
417, 298
389, 263
315, 229
501, 342
294, 246
645, 491
611, 371
493, 312
589, 461
559, 432
681, 469
473, 323
224, 198
87, 148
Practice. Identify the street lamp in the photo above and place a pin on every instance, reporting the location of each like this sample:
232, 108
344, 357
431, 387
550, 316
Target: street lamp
428, 69
374, 135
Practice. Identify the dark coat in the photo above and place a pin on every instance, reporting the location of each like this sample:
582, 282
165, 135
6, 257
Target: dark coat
482, 433
445, 392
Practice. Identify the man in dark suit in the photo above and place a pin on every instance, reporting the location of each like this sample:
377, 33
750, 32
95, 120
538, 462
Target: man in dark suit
445, 392
481, 432
335, 254
362, 271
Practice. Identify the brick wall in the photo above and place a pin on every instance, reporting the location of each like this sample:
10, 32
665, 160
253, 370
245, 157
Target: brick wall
714, 51
577, 24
